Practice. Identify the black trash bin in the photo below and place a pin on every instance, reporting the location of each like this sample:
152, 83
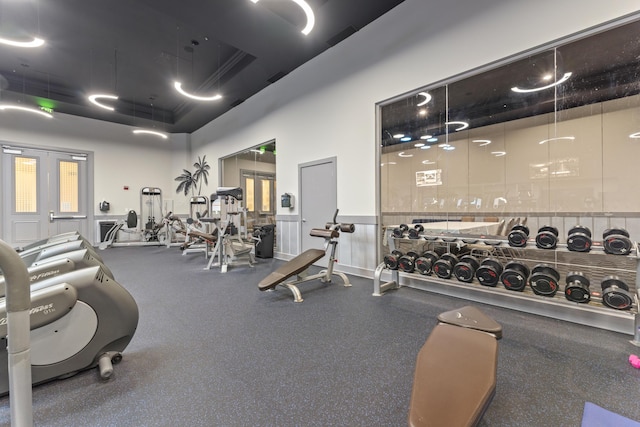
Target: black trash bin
264, 247
105, 226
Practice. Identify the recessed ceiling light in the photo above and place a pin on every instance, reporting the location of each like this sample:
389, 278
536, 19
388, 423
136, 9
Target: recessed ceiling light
150, 132
426, 136
26, 109
311, 19
499, 153
635, 135
398, 135
425, 147
402, 154
405, 139
432, 139
94, 100
178, 87
422, 112
428, 162
449, 148
418, 144
559, 138
562, 80
36, 42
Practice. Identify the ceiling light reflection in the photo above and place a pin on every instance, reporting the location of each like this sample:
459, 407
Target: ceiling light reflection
26, 109
36, 42
635, 135
402, 154
150, 132
463, 125
427, 98
484, 142
559, 138
562, 80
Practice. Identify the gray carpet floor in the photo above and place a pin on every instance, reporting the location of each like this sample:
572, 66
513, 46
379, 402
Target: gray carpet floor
212, 350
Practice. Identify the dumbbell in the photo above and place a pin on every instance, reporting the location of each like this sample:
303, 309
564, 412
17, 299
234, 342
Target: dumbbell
544, 280
547, 237
424, 263
577, 287
443, 267
615, 293
616, 241
489, 272
414, 233
514, 276
518, 236
391, 260
465, 269
399, 231
407, 262
579, 239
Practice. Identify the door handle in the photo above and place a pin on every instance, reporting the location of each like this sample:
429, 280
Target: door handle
53, 217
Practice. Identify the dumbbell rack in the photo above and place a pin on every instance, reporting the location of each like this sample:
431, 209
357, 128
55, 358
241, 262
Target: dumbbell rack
595, 265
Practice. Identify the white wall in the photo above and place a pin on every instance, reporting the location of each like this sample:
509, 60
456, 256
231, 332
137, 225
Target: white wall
326, 107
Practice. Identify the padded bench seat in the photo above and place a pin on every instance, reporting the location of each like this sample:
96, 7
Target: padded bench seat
294, 266
455, 377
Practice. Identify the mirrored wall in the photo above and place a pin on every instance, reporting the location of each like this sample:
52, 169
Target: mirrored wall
550, 134
253, 170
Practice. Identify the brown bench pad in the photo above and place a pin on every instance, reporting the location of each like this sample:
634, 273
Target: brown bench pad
472, 318
455, 377
291, 268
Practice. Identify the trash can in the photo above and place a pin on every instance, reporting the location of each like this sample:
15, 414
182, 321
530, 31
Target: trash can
105, 226
264, 246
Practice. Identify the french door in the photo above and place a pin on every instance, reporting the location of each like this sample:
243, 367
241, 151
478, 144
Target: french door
44, 193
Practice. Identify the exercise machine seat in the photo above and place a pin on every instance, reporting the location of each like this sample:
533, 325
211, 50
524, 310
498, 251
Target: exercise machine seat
291, 268
455, 377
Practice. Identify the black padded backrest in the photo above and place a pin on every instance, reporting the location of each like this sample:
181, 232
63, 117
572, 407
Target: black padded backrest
132, 219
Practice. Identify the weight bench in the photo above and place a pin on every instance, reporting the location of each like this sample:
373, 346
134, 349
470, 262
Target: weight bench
455, 375
299, 265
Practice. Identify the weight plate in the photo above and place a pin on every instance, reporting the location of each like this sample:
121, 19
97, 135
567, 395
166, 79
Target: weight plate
398, 232
448, 239
617, 244
450, 257
615, 293
464, 272
423, 265
406, 263
489, 272
546, 240
521, 227
549, 228
546, 269
579, 229
616, 230
470, 240
419, 228
443, 268
517, 238
516, 265
577, 287
493, 262
471, 260
543, 284
414, 234
579, 242
513, 280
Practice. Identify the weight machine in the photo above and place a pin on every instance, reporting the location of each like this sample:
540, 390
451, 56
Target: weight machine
232, 245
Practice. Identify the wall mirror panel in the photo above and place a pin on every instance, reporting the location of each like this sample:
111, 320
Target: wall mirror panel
253, 170
552, 136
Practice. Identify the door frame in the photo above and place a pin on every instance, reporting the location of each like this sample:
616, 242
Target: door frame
90, 180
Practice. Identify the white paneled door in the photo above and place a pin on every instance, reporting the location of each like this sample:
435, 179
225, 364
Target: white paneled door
44, 193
